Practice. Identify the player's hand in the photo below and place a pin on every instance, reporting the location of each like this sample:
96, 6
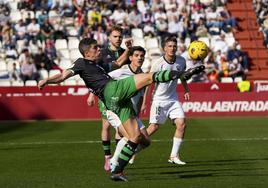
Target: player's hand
42, 84
187, 96
90, 100
143, 109
128, 42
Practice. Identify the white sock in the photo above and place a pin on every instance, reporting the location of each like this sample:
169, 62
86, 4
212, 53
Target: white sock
118, 149
176, 146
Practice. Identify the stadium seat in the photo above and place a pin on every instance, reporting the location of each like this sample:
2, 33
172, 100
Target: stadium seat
205, 40
20, 45
71, 31
137, 33
25, 14
151, 43
10, 64
73, 43
139, 42
43, 73
64, 53
154, 53
13, 5
75, 54
5, 83
238, 79
226, 80
53, 72
15, 16
17, 84
61, 44
3, 65
65, 63
30, 83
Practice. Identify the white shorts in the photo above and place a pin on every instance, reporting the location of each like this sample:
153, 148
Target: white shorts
115, 121
160, 111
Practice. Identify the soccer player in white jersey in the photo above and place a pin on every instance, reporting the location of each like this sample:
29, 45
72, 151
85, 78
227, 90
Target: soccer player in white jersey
138, 102
165, 103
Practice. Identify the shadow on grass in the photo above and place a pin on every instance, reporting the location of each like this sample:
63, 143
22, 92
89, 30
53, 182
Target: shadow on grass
214, 168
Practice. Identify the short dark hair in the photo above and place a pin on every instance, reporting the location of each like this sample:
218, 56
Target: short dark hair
115, 28
136, 48
85, 44
169, 39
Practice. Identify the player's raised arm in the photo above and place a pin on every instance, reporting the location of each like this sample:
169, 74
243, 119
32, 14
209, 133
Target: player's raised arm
56, 79
123, 58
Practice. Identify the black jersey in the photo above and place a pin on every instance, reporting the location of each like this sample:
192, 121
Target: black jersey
108, 58
93, 75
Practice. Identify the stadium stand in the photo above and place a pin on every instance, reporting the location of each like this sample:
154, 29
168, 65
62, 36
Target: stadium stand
233, 30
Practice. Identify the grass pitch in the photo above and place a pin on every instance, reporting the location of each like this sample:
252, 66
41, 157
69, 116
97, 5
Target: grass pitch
220, 152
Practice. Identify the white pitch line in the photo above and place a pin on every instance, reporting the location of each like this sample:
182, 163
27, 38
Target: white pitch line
96, 141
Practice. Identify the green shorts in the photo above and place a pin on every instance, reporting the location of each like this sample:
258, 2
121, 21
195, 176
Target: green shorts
102, 109
117, 97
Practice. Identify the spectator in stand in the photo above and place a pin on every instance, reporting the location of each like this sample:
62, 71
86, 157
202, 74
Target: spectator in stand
33, 30
234, 52
94, 18
220, 44
29, 71
42, 17
11, 53
119, 16
25, 4
46, 31
7, 33
50, 49
175, 27
14, 74
42, 61
24, 57
134, 18
100, 36
236, 70
201, 30
20, 30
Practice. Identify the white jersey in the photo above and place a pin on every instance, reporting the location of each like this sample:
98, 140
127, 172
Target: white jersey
124, 72
167, 91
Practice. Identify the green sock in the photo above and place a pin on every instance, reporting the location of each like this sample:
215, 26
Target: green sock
166, 75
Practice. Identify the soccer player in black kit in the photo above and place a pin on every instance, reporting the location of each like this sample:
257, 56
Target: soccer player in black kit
112, 57
116, 94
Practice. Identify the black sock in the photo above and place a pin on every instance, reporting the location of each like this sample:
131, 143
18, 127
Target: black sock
116, 141
166, 75
106, 145
125, 155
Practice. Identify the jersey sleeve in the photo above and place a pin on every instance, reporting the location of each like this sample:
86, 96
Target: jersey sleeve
77, 67
115, 74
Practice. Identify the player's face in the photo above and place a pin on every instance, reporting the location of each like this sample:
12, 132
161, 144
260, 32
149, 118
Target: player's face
93, 52
137, 58
115, 39
170, 48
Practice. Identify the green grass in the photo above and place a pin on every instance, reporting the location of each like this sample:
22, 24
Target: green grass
220, 152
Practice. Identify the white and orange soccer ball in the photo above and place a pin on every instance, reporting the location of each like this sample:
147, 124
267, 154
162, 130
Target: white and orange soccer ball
198, 50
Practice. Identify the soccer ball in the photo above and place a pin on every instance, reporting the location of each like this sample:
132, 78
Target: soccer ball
198, 50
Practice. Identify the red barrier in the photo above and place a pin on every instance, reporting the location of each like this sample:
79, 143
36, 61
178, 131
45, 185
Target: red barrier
69, 102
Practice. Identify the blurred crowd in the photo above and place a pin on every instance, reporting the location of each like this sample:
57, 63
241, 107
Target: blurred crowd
39, 36
261, 10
